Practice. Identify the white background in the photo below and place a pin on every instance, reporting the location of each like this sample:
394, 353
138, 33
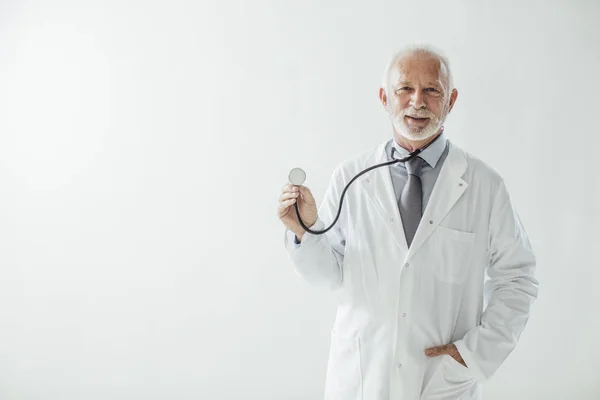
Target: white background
143, 146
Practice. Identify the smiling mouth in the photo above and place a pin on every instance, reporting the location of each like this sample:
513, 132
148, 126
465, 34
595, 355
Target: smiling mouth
417, 118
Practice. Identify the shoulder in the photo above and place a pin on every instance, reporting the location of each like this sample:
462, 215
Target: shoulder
485, 178
477, 167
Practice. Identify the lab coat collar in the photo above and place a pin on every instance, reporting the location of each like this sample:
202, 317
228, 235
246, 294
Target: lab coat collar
448, 189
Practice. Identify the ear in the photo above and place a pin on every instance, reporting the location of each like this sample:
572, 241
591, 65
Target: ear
383, 97
453, 97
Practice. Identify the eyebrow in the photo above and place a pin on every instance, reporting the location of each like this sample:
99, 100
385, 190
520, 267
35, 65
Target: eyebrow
427, 84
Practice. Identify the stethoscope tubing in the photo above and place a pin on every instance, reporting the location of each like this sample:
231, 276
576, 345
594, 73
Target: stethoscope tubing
394, 161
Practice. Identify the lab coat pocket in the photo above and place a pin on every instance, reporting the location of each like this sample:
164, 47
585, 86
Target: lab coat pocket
344, 372
455, 249
455, 372
459, 379
450, 381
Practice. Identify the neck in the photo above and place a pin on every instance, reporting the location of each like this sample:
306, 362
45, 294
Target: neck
413, 145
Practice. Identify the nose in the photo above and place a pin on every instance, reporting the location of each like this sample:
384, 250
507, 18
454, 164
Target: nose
417, 100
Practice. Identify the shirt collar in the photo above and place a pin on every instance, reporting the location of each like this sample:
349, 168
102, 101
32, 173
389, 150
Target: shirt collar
431, 154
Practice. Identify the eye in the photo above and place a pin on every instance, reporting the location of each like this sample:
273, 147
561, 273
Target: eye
403, 89
433, 92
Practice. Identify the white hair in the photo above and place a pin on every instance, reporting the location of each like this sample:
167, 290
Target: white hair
419, 49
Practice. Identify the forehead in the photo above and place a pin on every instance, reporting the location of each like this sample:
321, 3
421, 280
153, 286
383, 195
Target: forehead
417, 68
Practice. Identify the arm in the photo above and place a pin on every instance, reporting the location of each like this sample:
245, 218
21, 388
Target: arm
318, 259
511, 289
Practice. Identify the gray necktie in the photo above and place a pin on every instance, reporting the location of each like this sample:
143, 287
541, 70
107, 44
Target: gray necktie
411, 203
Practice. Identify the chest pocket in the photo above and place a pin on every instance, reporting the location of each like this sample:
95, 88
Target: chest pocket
454, 251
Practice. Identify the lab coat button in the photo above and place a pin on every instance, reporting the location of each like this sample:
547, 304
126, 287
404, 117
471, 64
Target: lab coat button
404, 314
399, 365
407, 265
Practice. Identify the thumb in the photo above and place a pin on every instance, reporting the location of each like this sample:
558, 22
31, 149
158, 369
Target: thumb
306, 194
439, 350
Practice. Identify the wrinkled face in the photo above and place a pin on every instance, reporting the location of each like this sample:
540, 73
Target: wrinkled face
417, 99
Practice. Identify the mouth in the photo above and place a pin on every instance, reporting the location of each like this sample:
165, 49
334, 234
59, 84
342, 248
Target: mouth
416, 120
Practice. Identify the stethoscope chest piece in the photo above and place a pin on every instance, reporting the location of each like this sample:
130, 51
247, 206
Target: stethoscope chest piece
297, 176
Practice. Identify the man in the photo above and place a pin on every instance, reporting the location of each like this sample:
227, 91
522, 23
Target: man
434, 271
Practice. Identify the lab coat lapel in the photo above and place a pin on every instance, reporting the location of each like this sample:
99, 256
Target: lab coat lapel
378, 188
448, 189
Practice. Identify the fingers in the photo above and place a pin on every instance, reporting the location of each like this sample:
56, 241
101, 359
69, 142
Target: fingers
288, 195
459, 359
285, 204
289, 188
434, 351
307, 195
449, 349
439, 350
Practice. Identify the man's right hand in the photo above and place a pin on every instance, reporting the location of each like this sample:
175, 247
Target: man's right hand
306, 206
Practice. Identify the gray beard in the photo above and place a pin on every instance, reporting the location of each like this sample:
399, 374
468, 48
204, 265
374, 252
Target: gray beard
431, 129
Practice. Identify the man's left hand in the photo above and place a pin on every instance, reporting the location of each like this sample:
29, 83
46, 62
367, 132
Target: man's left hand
449, 349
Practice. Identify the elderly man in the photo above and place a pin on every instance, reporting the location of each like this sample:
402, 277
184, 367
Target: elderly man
432, 265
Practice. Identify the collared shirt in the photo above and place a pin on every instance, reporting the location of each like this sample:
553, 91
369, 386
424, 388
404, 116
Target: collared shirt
434, 157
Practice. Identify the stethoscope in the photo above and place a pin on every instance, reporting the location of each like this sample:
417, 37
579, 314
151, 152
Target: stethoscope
297, 176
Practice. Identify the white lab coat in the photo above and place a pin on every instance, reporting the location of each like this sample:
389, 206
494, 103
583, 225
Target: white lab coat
468, 279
